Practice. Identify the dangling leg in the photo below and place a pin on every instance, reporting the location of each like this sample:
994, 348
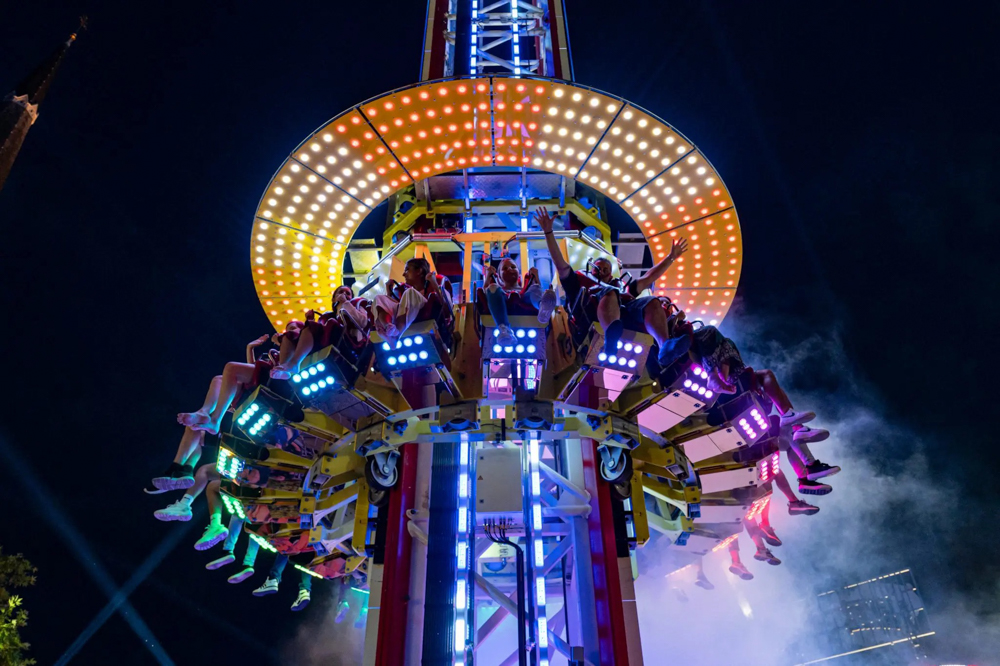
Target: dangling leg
233, 376
249, 559
203, 415
767, 532
215, 531
303, 347
496, 300
757, 535
609, 314
180, 473
736, 566
270, 585
657, 325
181, 509
229, 545
305, 586
702, 580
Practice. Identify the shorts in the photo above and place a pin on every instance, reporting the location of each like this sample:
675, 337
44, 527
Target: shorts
633, 317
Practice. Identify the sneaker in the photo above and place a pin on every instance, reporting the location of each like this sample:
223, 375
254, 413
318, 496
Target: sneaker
809, 435
741, 571
270, 586
807, 487
798, 507
546, 306
301, 601
673, 349
228, 558
704, 583
241, 576
769, 536
342, 609
506, 337
611, 337
793, 417
153, 490
214, 533
817, 470
765, 555
177, 477
179, 510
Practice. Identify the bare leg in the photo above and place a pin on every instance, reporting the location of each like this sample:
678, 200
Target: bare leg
765, 513
235, 375
656, 322
285, 350
189, 450
294, 360
608, 310
204, 476
769, 383
203, 415
734, 552
214, 498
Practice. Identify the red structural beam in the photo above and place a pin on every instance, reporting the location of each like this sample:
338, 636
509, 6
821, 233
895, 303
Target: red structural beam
395, 601
611, 636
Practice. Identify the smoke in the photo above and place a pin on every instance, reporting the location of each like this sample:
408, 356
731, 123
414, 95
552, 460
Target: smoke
890, 510
322, 641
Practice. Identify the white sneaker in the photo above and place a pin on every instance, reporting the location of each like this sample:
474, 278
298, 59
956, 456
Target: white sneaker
546, 306
270, 586
810, 435
241, 576
301, 601
228, 558
179, 510
796, 418
214, 534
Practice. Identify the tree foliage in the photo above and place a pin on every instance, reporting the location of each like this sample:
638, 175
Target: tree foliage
15, 572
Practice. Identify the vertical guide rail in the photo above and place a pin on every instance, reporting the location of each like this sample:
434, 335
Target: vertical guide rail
440, 625
464, 629
537, 551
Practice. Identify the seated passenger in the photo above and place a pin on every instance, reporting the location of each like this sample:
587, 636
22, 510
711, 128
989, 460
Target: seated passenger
226, 388
503, 296
424, 295
300, 339
720, 358
235, 528
615, 309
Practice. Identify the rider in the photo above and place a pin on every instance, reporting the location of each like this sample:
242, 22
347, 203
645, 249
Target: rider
617, 310
503, 293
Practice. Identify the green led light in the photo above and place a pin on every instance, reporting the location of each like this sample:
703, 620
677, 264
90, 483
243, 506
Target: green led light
308, 571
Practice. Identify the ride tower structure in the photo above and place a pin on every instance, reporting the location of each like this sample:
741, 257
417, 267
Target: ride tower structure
491, 496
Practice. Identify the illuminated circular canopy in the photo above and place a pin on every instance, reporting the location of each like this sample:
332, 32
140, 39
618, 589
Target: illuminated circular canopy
332, 180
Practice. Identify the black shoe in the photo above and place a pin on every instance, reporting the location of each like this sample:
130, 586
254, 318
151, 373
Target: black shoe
177, 477
818, 470
807, 487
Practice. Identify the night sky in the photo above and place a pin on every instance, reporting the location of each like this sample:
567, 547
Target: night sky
859, 141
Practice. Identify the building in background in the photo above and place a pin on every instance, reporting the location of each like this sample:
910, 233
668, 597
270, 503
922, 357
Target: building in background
881, 621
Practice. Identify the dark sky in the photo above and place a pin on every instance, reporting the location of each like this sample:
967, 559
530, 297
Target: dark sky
859, 141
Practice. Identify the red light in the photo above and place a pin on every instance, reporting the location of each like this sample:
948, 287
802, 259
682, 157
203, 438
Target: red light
442, 91
519, 87
501, 86
355, 120
536, 108
481, 87
539, 90
388, 106
423, 94
405, 100
372, 112
462, 89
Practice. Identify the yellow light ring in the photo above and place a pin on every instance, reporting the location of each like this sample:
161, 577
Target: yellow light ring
332, 180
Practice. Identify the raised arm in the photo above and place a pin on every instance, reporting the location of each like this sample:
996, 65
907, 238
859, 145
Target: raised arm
545, 222
252, 346
678, 248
